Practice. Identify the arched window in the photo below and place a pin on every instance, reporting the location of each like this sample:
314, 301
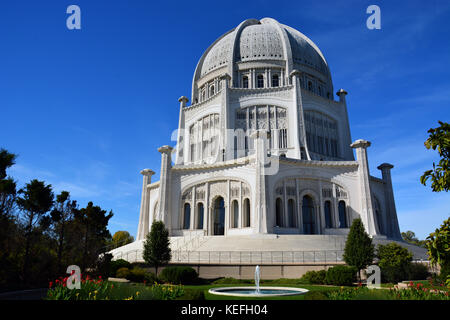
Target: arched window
279, 212
235, 217
219, 217
291, 213
246, 213
200, 213
342, 214
308, 215
309, 85
260, 81
211, 91
275, 80
328, 220
245, 82
187, 216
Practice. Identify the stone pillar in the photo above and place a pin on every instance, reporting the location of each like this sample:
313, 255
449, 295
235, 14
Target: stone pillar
164, 186
366, 209
296, 125
260, 137
345, 152
182, 135
225, 143
391, 220
144, 218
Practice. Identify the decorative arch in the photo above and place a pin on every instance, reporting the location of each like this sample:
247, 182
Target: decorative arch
343, 214
308, 214
247, 213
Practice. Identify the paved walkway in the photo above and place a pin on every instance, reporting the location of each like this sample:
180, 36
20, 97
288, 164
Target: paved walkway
32, 294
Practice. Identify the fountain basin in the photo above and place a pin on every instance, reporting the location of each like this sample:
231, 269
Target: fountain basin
263, 291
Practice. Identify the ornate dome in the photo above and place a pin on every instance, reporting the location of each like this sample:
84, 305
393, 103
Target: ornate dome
262, 41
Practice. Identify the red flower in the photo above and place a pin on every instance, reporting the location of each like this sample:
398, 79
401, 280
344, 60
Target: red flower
50, 284
99, 277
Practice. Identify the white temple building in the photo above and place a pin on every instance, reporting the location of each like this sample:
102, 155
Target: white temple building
264, 159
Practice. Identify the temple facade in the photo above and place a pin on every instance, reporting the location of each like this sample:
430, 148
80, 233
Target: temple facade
264, 148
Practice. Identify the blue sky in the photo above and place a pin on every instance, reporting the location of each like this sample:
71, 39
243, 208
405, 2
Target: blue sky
86, 109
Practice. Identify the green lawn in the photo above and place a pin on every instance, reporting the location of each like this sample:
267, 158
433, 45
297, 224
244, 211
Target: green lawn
209, 296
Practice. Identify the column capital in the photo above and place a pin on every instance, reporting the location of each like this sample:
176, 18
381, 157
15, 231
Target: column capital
385, 166
147, 172
294, 72
165, 149
183, 99
360, 143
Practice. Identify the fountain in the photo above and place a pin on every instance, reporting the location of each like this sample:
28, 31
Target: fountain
257, 277
257, 291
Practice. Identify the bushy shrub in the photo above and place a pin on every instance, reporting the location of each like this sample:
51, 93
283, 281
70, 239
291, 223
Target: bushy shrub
123, 273
118, 264
314, 277
417, 271
341, 275
394, 263
179, 275
138, 275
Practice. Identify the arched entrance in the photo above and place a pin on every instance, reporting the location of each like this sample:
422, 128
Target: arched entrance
309, 221
218, 217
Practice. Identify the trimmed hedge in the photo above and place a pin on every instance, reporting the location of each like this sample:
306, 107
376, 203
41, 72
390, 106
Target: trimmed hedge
341, 275
179, 275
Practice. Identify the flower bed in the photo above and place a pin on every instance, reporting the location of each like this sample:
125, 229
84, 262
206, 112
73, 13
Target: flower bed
98, 289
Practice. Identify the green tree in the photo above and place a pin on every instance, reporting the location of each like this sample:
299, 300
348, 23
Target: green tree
7, 185
440, 175
121, 238
157, 246
35, 201
438, 245
359, 250
61, 215
394, 262
10, 234
92, 222
410, 237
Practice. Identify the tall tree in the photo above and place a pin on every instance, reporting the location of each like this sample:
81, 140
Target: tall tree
6, 160
61, 215
157, 246
9, 233
438, 245
440, 175
121, 238
93, 222
35, 201
7, 185
359, 250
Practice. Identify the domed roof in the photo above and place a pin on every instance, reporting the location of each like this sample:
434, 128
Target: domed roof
257, 40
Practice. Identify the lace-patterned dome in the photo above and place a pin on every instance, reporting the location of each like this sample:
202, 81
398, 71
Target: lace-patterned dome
259, 41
